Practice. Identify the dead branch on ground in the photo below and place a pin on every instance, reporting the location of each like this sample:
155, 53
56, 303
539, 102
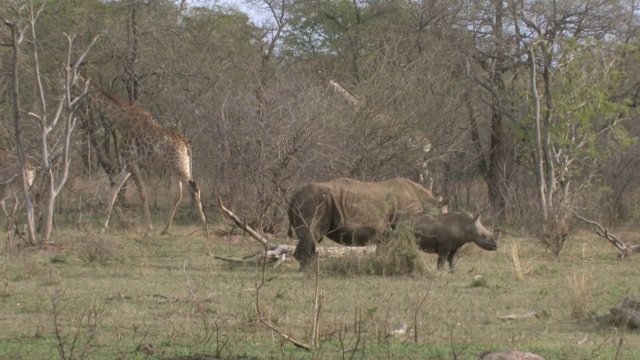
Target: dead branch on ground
282, 252
613, 239
266, 322
243, 224
278, 253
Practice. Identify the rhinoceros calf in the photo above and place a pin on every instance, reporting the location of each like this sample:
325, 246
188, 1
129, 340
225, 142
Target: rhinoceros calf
444, 234
351, 212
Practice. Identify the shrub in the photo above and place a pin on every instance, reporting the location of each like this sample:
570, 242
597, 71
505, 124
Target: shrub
396, 254
556, 230
96, 249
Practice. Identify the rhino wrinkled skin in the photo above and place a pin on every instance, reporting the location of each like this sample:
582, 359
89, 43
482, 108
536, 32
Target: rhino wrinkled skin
352, 212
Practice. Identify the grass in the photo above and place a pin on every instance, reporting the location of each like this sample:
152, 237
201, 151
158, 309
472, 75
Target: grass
102, 296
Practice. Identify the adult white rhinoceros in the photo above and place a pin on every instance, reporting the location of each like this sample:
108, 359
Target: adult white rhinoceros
352, 212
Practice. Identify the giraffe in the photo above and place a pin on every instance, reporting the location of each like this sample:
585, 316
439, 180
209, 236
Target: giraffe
145, 142
10, 178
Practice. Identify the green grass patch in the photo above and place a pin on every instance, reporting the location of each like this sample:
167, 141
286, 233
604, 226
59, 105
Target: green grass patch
106, 296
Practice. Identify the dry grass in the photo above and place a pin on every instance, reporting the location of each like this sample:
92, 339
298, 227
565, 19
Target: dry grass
168, 294
520, 270
579, 299
579, 293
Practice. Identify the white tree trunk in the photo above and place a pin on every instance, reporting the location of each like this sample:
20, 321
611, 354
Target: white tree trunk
538, 145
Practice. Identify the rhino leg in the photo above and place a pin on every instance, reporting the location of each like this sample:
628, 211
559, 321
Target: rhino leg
451, 258
441, 260
311, 224
305, 251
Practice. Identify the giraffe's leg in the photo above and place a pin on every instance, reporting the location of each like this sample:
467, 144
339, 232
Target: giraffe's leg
195, 193
176, 201
135, 175
121, 179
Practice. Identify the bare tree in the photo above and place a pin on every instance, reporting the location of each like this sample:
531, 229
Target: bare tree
26, 174
62, 115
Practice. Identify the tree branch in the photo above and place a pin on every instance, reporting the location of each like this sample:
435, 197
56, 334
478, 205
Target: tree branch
604, 232
254, 234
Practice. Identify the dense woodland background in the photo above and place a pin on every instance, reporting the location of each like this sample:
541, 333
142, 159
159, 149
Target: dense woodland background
447, 90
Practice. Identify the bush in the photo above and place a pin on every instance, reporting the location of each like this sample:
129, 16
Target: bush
96, 249
397, 254
556, 230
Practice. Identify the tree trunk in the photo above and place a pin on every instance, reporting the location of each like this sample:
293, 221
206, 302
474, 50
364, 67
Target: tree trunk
17, 37
131, 74
49, 207
497, 164
497, 167
538, 158
546, 141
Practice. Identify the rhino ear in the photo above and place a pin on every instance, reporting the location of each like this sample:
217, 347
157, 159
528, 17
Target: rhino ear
476, 218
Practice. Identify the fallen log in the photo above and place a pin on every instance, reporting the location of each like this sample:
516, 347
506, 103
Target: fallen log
280, 253
273, 253
510, 355
530, 314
